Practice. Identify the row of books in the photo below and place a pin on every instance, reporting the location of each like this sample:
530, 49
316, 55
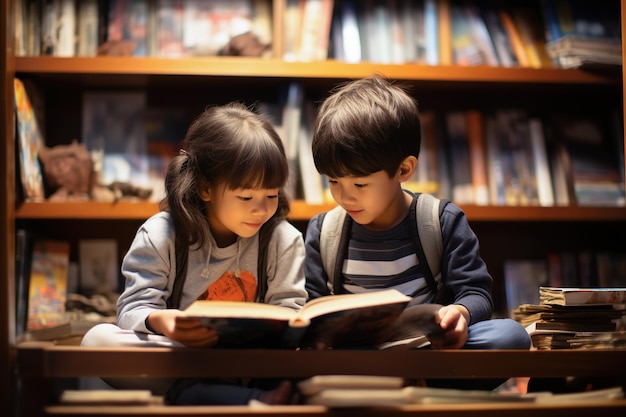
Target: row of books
499, 157
584, 269
504, 157
427, 32
576, 318
167, 28
57, 297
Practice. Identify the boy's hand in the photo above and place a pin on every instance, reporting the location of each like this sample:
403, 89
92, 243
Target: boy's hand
453, 320
189, 332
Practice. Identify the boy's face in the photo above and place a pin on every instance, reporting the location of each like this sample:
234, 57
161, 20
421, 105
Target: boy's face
239, 212
375, 201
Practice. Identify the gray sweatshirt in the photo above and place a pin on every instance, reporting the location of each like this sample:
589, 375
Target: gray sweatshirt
149, 269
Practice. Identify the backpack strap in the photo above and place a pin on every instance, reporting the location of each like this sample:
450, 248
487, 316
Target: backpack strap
181, 250
429, 235
330, 237
428, 242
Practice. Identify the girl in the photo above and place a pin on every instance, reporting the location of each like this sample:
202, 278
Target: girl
223, 197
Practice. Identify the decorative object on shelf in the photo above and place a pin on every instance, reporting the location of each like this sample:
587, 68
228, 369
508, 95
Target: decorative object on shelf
68, 169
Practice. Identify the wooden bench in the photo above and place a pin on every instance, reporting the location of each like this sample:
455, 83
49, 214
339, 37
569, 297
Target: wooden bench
39, 363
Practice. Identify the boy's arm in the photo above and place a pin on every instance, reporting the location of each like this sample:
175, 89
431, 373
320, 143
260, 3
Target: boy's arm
316, 277
463, 270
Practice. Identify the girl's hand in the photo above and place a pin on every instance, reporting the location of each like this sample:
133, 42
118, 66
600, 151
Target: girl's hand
453, 320
189, 332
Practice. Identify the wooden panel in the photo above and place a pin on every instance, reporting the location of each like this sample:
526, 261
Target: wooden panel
259, 68
46, 360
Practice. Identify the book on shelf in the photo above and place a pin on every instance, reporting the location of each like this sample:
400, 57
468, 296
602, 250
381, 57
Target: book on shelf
29, 142
567, 296
87, 23
318, 383
312, 180
99, 269
459, 158
499, 36
517, 43
113, 131
346, 320
24, 240
522, 279
478, 155
532, 34
209, 26
611, 268
545, 192
349, 29
107, 397
127, 25
47, 287
170, 29
315, 26
589, 156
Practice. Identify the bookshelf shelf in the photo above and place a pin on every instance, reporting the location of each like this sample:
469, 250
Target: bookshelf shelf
258, 68
301, 211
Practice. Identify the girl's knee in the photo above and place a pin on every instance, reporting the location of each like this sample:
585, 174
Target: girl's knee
100, 335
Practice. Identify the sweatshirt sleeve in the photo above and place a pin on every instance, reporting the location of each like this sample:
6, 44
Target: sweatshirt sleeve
316, 277
146, 268
463, 270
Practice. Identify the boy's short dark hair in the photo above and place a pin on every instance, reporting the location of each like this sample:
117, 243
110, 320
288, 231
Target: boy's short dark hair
366, 126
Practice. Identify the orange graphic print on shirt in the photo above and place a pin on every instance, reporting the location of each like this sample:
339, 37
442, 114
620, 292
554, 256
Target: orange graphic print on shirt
232, 287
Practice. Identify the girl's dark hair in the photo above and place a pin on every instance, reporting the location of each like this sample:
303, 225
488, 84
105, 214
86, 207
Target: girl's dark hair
366, 126
228, 145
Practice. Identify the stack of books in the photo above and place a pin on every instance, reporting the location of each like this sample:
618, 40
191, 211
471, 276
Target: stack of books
575, 318
573, 51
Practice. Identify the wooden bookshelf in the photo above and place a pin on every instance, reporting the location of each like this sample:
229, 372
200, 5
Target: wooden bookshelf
504, 232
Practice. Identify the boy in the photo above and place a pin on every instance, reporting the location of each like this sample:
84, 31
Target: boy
367, 141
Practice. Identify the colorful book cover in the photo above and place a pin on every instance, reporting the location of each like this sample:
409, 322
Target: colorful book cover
48, 284
29, 141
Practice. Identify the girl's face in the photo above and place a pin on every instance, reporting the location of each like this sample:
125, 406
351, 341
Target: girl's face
239, 212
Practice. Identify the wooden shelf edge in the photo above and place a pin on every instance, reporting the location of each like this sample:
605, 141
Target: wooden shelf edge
257, 67
301, 211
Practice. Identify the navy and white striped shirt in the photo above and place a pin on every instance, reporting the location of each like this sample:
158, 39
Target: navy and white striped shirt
384, 259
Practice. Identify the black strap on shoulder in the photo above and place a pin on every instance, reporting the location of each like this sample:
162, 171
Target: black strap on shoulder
181, 248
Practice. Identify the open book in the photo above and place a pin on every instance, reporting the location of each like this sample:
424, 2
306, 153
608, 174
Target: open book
346, 320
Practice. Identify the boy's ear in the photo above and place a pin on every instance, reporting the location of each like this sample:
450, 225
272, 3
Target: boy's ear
407, 168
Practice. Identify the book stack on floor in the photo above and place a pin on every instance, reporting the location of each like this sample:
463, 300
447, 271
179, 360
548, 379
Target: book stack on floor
575, 318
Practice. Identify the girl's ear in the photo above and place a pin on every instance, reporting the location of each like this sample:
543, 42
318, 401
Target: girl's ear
407, 168
205, 195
